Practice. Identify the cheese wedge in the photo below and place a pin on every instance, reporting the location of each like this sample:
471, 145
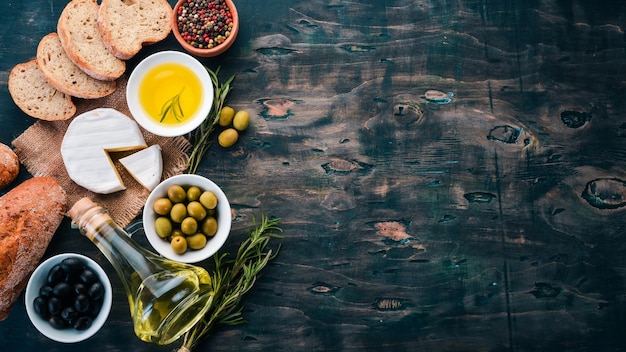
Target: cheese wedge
146, 166
86, 145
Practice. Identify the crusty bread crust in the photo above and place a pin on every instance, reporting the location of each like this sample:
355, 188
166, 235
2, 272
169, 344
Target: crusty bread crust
125, 26
78, 31
62, 74
9, 165
34, 96
30, 214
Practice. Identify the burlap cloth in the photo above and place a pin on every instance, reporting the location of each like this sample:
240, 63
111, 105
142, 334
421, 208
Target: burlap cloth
39, 150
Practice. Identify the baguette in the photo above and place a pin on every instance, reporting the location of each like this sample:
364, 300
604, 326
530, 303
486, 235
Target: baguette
62, 74
34, 96
78, 31
125, 26
30, 214
9, 165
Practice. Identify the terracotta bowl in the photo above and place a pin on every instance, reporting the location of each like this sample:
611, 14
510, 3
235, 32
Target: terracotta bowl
206, 52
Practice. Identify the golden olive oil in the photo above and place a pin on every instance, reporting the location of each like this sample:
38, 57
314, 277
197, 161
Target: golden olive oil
157, 313
170, 93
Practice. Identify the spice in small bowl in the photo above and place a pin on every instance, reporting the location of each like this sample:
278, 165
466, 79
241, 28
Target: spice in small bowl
205, 27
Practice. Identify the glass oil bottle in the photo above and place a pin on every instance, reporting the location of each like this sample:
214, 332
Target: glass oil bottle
166, 298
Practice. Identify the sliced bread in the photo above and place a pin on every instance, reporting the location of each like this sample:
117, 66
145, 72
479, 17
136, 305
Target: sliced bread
78, 31
34, 96
125, 26
62, 74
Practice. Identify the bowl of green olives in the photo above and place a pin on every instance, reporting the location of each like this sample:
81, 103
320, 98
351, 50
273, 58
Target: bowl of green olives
187, 218
68, 297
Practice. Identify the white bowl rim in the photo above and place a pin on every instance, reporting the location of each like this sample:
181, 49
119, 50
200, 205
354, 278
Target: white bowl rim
138, 112
213, 244
37, 279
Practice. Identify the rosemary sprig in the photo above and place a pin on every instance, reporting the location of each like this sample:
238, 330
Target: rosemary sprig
200, 138
232, 279
173, 105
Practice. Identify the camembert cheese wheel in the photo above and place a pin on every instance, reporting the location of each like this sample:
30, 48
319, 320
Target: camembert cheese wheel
146, 166
87, 143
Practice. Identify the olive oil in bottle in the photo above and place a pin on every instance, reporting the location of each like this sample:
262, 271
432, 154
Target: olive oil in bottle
166, 298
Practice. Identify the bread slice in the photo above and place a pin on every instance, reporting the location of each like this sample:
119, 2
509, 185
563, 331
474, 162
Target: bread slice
62, 74
34, 96
78, 31
30, 214
125, 26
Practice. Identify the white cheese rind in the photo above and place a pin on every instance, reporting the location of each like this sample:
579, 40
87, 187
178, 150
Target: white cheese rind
146, 166
86, 144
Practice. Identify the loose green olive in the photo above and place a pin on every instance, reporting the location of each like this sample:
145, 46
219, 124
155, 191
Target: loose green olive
176, 194
162, 206
196, 210
228, 137
193, 193
226, 116
178, 213
208, 199
179, 244
241, 120
209, 226
197, 241
189, 226
163, 226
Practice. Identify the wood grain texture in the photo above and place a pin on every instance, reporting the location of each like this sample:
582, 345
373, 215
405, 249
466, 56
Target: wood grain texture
489, 222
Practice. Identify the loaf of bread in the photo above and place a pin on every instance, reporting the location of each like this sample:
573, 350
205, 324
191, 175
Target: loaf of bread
62, 74
78, 31
9, 165
30, 214
125, 26
34, 96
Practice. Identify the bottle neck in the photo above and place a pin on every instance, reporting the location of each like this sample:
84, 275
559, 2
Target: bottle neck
129, 260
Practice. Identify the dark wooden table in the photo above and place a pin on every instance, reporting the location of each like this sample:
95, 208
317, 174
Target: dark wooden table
495, 221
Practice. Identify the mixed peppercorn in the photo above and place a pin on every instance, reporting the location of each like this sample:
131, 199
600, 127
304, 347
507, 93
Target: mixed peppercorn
204, 24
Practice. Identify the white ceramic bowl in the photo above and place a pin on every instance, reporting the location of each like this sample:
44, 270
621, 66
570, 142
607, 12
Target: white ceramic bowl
214, 243
139, 112
68, 335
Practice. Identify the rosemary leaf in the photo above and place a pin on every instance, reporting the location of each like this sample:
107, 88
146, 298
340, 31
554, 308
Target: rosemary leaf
233, 278
200, 140
173, 104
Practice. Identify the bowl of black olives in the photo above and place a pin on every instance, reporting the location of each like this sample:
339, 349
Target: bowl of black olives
68, 297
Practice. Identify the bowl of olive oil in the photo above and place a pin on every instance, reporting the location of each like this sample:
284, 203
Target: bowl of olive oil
169, 93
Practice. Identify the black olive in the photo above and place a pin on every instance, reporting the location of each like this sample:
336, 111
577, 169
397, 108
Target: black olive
63, 291
72, 265
81, 303
79, 287
87, 276
57, 322
46, 291
41, 307
69, 314
54, 305
82, 323
55, 275
94, 308
96, 291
